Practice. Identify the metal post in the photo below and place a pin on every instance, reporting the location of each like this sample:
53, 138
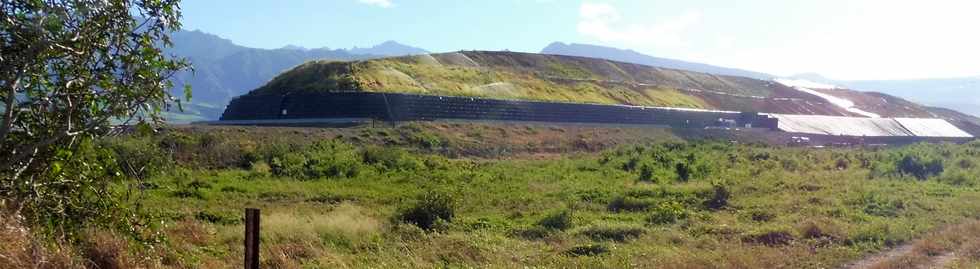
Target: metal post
251, 238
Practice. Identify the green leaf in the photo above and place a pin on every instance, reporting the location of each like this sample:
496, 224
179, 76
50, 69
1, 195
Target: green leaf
144, 129
187, 92
55, 167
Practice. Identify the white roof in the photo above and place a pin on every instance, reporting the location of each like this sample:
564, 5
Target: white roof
853, 126
932, 128
848, 126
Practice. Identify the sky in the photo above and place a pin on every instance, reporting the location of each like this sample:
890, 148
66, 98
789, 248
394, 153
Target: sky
840, 39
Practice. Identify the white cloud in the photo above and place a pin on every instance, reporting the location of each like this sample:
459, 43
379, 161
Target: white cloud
380, 3
604, 22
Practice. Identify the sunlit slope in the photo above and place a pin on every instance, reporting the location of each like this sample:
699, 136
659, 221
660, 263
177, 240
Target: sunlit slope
528, 76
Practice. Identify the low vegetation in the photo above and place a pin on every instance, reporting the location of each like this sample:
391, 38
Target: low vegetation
342, 202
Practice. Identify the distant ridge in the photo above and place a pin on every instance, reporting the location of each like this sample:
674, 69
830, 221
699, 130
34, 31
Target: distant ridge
388, 48
223, 69
630, 56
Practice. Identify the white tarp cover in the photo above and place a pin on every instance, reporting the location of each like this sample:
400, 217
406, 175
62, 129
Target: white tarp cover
848, 126
808, 86
932, 128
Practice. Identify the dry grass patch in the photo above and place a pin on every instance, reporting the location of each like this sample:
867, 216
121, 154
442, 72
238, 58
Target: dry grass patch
960, 242
345, 225
19, 249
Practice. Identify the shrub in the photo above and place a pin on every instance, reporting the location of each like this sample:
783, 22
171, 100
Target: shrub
217, 218
626, 203
431, 208
587, 250
389, 158
232, 189
774, 237
614, 232
137, 157
683, 171
920, 168
330, 159
631, 164
532, 233
876, 205
646, 173
880, 233
966, 164
667, 213
958, 178
821, 230
761, 215
561, 221
188, 193
719, 197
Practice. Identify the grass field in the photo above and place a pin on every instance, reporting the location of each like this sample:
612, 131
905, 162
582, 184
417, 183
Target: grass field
331, 200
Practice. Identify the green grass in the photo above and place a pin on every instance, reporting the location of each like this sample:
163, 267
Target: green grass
555, 80
737, 206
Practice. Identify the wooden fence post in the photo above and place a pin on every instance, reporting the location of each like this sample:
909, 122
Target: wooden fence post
251, 238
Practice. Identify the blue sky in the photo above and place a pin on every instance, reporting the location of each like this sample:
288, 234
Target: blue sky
842, 39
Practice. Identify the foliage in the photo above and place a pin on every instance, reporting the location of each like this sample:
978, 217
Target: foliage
561, 220
588, 250
324, 159
667, 213
744, 205
614, 232
70, 70
430, 210
719, 197
920, 168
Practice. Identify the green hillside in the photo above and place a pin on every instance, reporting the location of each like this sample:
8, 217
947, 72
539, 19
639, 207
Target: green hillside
521, 76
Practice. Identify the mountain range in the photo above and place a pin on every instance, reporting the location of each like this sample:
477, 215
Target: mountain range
223, 69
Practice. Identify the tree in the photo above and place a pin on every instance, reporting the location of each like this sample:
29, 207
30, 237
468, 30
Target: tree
69, 71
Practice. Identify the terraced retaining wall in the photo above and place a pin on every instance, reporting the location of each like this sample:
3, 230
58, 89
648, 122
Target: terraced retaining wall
409, 107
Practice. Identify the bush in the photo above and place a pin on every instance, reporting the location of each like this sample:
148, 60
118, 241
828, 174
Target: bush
390, 158
430, 209
217, 218
646, 173
614, 232
958, 178
761, 215
137, 157
719, 197
920, 168
561, 221
876, 205
772, 237
683, 172
532, 233
821, 230
667, 213
626, 203
325, 159
587, 250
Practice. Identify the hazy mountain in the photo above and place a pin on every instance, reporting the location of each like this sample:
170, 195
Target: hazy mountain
202, 46
631, 56
223, 70
388, 48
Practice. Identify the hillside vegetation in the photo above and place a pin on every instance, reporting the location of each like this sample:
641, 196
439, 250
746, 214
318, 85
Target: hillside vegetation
528, 76
435, 196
